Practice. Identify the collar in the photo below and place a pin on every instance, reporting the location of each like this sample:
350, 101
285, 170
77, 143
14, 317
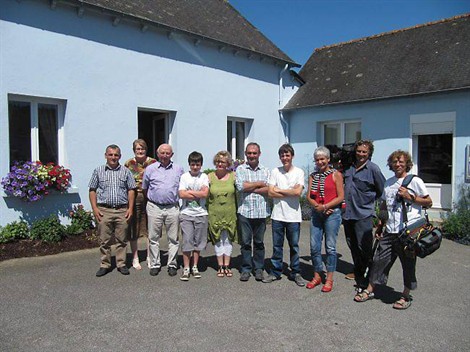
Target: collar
107, 167
170, 165
258, 167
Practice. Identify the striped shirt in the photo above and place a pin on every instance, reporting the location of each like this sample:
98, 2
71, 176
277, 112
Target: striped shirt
252, 205
112, 185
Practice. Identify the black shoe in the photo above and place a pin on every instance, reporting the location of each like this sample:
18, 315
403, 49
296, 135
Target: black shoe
102, 272
259, 275
154, 271
172, 271
245, 276
123, 270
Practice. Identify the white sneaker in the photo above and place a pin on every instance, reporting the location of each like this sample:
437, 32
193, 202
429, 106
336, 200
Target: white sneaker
196, 272
185, 276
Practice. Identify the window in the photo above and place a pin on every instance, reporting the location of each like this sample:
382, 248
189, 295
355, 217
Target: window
237, 132
339, 133
34, 129
435, 158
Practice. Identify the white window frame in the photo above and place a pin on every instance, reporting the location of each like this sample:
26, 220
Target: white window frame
34, 103
246, 129
342, 124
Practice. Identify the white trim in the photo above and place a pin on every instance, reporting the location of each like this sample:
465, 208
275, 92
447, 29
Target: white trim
342, 129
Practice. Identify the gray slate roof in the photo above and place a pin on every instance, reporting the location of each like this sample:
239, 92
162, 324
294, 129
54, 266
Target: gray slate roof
212, 19
424, 59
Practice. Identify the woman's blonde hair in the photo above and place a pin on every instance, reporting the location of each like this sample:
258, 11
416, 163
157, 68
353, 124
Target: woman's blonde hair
223, 154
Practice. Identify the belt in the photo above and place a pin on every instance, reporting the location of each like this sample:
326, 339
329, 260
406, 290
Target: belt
162, 204
120, 206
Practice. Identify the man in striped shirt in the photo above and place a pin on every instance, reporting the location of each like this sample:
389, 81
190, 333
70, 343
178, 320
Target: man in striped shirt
112, 194
253, 209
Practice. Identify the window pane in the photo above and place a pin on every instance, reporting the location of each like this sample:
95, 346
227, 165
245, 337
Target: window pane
19, 122
229, 137
332, 134
352, 132
240, 139
435, 158
48, 140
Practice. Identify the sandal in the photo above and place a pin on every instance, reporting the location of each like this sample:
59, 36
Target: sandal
312, 284
363, 296
136, 264
328, 286
228, 272
403, 303
220, 272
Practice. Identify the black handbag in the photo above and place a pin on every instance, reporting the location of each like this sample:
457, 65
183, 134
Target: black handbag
421, 237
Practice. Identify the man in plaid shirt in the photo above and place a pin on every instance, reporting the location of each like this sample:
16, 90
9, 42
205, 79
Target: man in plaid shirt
253, 209
112, 195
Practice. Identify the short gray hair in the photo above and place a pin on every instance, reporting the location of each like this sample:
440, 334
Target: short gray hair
321, 151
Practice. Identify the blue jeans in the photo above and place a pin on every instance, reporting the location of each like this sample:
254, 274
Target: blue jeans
328, 225
252, 230
292, 233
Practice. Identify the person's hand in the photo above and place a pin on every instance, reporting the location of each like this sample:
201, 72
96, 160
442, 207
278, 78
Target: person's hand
129, 213
98, 215
403, 192
379, 232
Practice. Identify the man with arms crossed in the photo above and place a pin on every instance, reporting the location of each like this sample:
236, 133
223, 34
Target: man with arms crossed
285, 187
251, 182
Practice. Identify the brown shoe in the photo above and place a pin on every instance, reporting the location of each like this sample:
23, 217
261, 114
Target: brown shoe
350, 276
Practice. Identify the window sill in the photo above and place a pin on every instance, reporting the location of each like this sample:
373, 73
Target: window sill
71, 190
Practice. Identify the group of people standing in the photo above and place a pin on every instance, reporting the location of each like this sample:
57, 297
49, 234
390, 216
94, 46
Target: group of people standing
229, 206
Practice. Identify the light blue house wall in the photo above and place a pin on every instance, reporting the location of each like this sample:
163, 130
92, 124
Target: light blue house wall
103, 74
388, 123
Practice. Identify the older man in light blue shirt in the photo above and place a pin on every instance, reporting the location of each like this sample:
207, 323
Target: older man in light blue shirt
160, 185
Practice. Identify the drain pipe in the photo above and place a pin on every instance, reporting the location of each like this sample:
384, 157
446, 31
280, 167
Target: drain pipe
284, 122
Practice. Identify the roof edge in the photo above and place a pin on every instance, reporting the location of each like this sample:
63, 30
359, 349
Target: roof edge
375, 99
102, 9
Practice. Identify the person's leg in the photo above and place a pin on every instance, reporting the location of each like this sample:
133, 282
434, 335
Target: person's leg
363, 249
331, 226
120, 233
316, 238
135, 228
187, 231
155, 226
172, 227
246, 238
200, 237
351, 241
278, 228
259, 228
293, 235
105, 229
227, 244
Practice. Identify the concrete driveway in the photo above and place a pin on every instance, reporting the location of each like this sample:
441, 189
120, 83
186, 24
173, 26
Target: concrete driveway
56, 303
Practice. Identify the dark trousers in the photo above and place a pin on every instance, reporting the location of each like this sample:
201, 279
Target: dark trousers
389, 249
359, 238
252, 231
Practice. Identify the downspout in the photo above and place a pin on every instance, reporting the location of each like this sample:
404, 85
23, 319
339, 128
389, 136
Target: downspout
281, 103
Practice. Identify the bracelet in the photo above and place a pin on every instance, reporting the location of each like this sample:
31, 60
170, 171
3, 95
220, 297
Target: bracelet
413, 197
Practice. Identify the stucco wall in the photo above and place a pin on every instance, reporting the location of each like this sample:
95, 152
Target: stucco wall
105, 73
387, 123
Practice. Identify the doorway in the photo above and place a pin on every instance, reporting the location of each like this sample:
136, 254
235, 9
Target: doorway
153, 129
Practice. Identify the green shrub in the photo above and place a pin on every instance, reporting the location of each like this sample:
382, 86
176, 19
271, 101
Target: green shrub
48, 229
82, 220
456, 225
14, 231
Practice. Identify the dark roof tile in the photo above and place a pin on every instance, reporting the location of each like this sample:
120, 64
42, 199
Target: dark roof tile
423, 59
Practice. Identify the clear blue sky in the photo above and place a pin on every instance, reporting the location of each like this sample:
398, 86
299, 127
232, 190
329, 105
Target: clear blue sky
297, 27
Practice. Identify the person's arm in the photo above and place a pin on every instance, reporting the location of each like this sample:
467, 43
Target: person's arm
382, 221
379, 181
130, 204
409, 196
94, 206
273, 192
295, 191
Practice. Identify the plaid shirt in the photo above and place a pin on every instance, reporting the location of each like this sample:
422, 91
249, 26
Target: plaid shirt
252, 205
112, 185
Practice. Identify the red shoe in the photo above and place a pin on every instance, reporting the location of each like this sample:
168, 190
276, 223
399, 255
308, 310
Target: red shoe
328, 286
312, 284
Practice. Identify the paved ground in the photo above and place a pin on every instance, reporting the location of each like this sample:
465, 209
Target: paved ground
57, 304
